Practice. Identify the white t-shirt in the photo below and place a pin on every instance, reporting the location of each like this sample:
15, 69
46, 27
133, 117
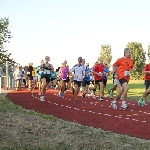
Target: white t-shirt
17, 74
79, 72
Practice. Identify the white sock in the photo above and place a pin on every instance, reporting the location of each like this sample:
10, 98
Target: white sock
114, 101
123, 102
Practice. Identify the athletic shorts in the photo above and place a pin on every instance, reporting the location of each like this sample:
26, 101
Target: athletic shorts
122, 81
52, 79
47, 77
77, 83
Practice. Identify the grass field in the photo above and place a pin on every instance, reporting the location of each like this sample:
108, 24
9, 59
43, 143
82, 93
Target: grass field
22, 129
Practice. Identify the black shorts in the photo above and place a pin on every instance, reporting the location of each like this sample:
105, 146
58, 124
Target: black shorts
105, 81
47, 77
122, 81
24, 81
97, 81
85, 83
77, 83
52, 79
147, 84
67, 80
92, 82
30, 77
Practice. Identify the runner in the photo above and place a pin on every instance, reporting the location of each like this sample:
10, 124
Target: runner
115, 83
105, 76
53, 77
17, 77
86, 83
39, 72
64, 71
45, 77
124, 64
78, 72
146, 71
98, 72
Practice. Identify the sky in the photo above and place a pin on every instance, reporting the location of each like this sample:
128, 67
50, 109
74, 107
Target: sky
68, 29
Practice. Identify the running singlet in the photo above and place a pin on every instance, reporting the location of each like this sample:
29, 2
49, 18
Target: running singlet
106, 70
87, 74
46, 69
64, 72
53, 75
39, 71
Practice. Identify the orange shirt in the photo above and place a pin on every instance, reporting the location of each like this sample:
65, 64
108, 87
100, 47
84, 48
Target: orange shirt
124, 65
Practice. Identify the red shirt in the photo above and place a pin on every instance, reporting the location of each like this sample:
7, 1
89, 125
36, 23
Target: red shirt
98, 68
147, 68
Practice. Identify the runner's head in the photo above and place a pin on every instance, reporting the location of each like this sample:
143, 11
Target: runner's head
105, 64
127, 52
80, 60
87, 64
83, 61
65, 62
41, 62
47, 59
101, 62
18, 67
30, 64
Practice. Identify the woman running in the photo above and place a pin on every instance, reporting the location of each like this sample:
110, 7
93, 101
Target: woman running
64, 71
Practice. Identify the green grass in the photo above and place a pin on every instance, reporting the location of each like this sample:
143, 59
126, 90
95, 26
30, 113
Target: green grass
136, 89
22, 129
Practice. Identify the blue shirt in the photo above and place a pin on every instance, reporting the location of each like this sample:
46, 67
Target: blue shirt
39, 72
106, 70
87, 74
53, 75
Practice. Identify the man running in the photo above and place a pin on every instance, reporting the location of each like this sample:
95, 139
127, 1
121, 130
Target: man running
45, 77
124, 64
78, 72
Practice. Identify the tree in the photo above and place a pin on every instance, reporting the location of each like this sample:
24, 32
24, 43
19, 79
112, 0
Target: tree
5, 36
106, 54
139, 57
148, 54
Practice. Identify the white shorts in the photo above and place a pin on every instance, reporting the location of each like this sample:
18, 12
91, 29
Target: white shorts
35, 78
116, 81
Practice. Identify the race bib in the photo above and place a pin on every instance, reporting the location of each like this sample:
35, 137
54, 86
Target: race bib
100, 74
48, 71
28, 72
63, 79
80, 77
44, 71
127, 73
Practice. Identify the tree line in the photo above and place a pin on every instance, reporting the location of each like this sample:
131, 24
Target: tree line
137, 54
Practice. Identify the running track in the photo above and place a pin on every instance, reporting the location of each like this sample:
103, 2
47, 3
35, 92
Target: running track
134, 121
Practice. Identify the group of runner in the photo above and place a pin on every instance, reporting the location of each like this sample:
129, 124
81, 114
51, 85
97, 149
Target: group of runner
81, 75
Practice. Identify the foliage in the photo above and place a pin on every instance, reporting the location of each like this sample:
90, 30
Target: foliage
139, 57
106, 54
5, 36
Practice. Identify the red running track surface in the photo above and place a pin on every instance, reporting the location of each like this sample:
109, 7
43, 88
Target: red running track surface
133, 121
